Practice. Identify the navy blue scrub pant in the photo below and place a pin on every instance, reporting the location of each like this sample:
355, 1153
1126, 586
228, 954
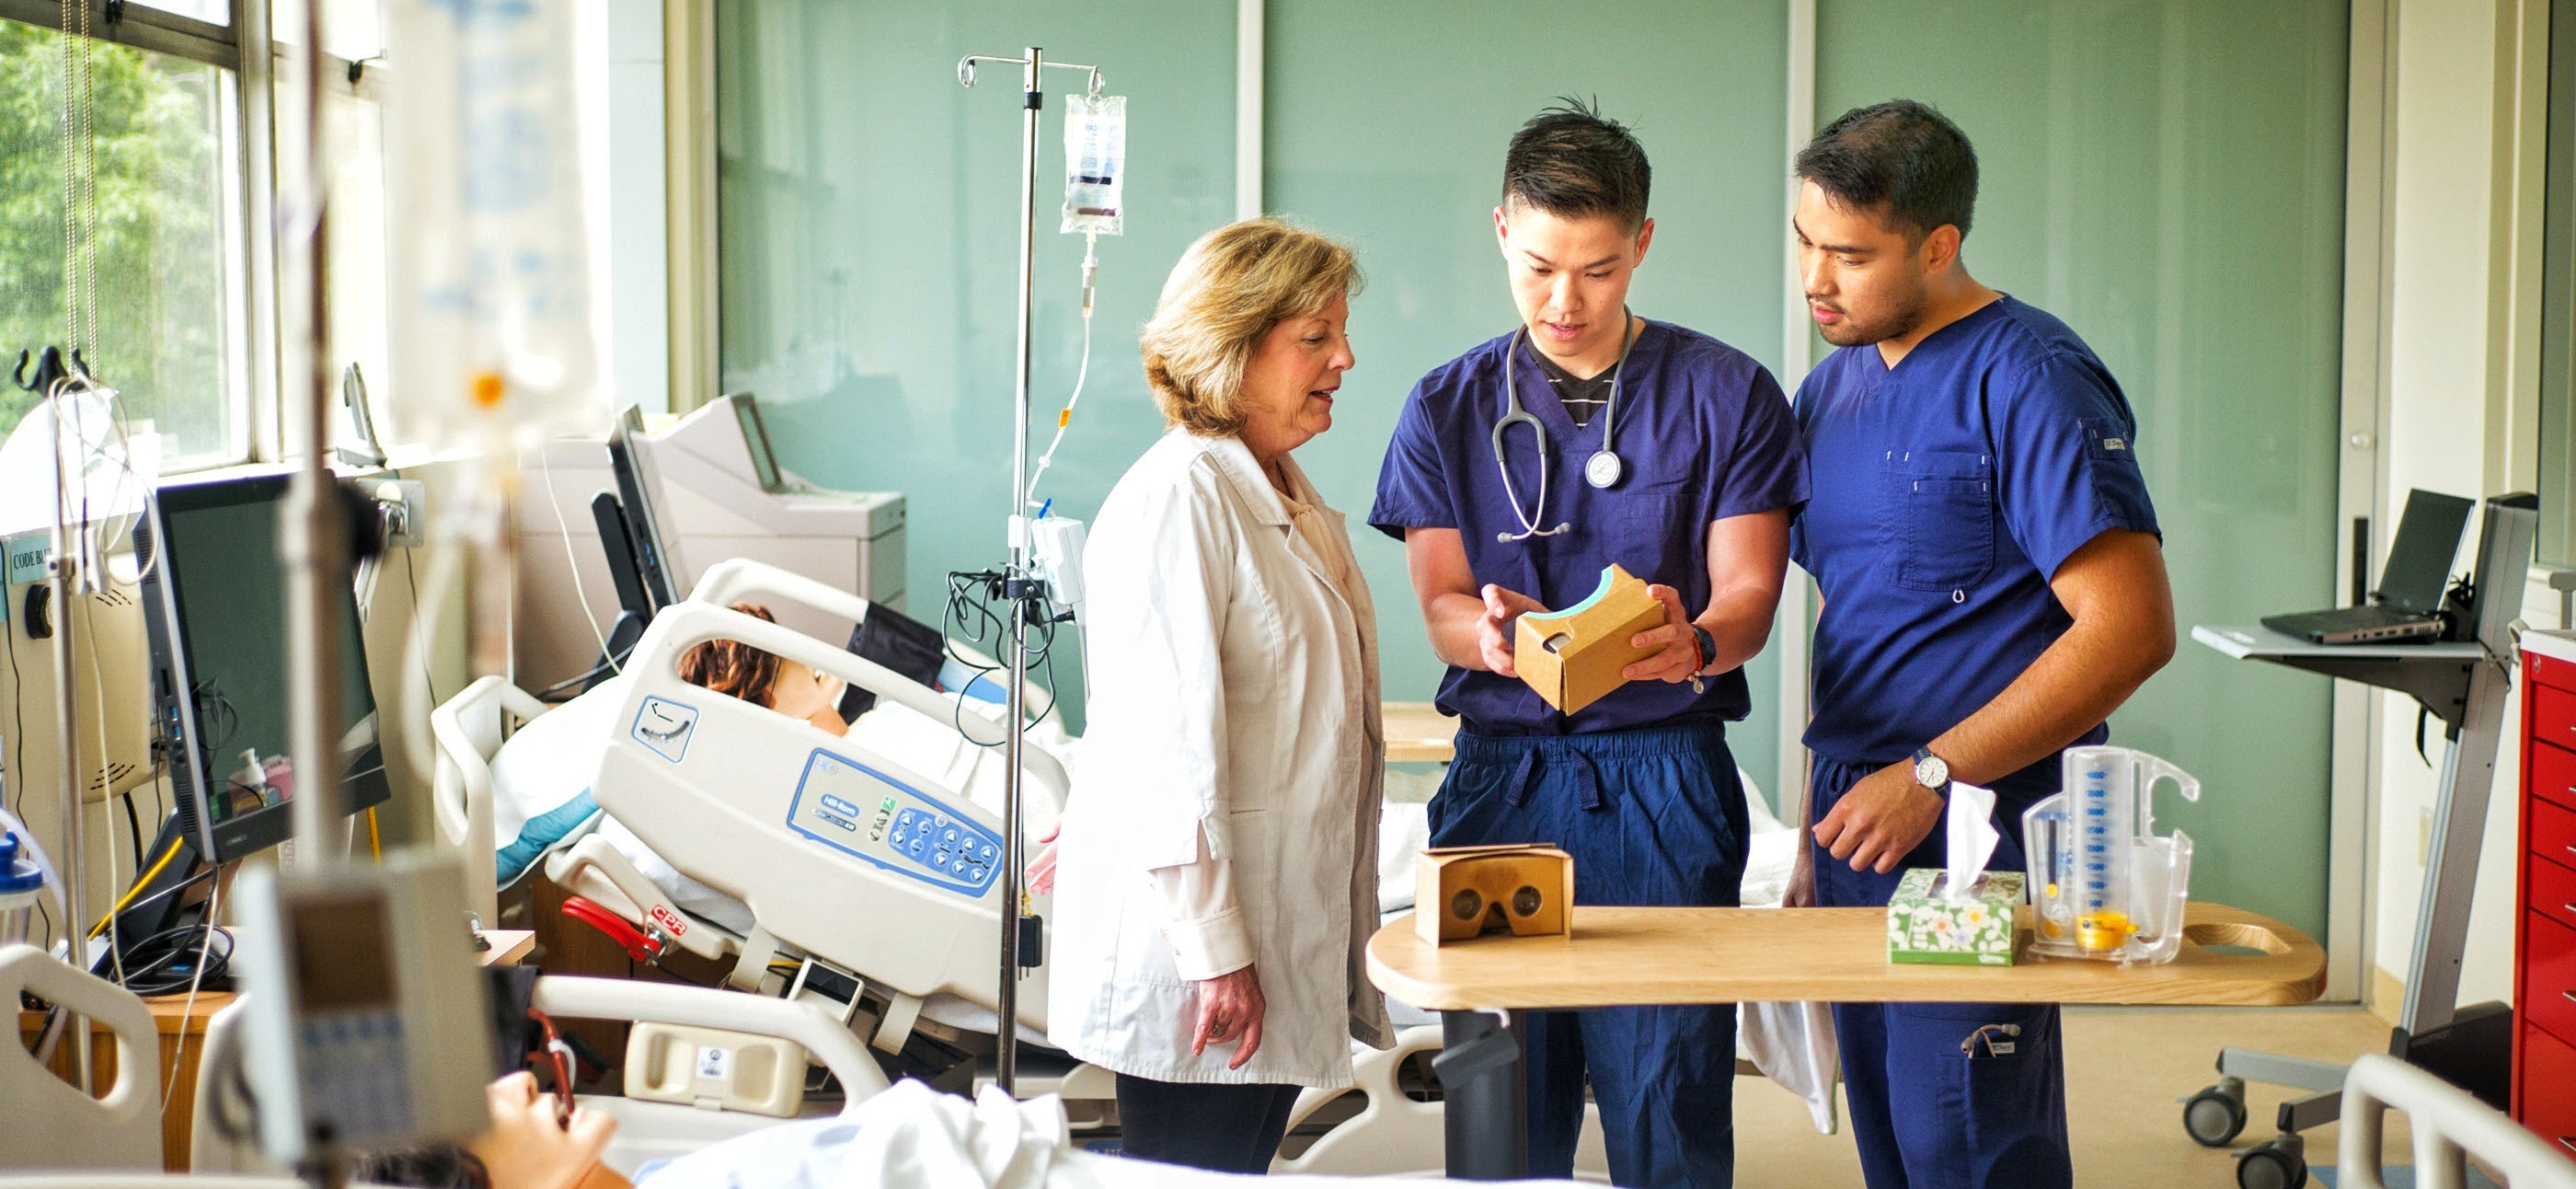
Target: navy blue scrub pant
1652, 817
1946, 1095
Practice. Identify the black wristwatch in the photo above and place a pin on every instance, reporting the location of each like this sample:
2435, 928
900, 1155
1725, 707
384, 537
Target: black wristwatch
1931, 771
1707, 647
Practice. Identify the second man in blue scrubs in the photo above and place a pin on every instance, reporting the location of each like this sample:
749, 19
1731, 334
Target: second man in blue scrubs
1673, 455
1994, 586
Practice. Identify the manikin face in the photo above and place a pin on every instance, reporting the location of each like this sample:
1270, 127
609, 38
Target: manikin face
802, 692
1288, 384
1865, 281
1570, 280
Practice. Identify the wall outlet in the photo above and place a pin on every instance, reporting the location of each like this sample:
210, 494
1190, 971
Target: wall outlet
403, 503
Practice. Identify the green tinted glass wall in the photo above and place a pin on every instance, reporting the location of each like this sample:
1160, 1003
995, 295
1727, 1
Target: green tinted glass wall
2168, 178
868, 233
1387, 127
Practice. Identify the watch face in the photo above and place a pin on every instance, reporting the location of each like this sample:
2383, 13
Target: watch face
1931, 772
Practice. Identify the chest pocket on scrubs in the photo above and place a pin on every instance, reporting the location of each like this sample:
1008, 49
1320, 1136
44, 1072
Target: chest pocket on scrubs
1945, 518
1650, 528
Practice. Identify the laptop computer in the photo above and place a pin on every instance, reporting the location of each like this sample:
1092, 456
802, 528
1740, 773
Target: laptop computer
2407, 606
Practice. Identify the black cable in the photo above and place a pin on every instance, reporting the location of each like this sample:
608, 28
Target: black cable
608, 666
201, 875
133, 828
173, 945
969, 608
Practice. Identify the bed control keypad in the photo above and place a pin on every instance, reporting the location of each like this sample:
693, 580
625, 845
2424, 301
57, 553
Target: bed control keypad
862, 811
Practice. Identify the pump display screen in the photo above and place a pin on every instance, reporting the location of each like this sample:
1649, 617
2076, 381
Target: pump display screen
341, 959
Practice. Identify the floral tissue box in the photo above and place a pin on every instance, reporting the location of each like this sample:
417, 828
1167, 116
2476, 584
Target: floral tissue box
1925, 926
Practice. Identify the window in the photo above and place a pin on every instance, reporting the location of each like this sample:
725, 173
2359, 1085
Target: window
181, 215
169, 244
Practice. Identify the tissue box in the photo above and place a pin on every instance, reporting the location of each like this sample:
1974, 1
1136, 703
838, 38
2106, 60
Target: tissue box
1923, 925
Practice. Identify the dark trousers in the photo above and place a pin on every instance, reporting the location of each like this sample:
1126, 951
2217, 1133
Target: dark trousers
1653, 816
1946, 1095
1220, 1127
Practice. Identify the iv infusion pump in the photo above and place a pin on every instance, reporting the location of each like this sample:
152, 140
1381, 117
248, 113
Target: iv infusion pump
367, 1020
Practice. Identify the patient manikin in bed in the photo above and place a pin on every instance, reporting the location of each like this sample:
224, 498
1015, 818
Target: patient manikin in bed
907, 1137
540, 798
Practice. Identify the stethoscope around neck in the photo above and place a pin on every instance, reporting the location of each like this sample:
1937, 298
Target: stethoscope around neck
1602, 470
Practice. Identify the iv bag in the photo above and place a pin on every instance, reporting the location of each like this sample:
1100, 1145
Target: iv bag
1095, 164
491, 295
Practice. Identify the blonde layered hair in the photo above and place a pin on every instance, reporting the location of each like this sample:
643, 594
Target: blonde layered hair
1227, 293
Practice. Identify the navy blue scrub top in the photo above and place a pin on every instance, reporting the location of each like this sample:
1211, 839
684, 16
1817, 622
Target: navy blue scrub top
1948, 491
1704, 434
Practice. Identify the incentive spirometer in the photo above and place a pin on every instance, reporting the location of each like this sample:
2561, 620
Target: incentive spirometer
368, 1024
2103, 883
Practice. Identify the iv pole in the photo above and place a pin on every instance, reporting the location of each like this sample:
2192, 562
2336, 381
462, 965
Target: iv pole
1025, 590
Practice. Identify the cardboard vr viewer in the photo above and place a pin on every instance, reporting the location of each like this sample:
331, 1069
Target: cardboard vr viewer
1575, 656
1464, 891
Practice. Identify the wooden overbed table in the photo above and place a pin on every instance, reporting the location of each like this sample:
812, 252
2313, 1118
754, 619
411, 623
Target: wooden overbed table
1619, 956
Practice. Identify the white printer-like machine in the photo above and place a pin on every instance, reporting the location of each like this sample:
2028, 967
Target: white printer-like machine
710, 488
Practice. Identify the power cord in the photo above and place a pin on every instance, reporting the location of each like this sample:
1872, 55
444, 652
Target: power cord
970, 613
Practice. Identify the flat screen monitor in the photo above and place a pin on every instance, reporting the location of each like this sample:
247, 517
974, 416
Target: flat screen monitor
214, 607
635, 501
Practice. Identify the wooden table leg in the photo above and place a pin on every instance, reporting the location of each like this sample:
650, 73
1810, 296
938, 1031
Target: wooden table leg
1484, 1096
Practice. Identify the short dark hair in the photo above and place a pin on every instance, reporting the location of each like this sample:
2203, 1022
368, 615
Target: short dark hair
1573, 162
1900, 155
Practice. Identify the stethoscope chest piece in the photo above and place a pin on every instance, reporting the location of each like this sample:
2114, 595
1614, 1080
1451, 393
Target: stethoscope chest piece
1602, 469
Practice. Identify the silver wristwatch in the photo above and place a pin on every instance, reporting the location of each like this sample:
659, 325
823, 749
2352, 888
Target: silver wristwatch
1931, 771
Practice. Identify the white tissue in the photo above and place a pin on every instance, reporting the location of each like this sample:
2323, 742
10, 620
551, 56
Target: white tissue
1972, 837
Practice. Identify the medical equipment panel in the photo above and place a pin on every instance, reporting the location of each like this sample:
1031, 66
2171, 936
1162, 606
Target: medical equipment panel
368, 1024
715, 1068
851, 807
716, 491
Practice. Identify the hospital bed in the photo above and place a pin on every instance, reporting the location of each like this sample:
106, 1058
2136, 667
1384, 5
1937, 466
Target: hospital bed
808, 831
649, 1134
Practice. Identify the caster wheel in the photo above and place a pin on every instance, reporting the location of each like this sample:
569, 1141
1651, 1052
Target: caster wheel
2272, 1165
2216, 1115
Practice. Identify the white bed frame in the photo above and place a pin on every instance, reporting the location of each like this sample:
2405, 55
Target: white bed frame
46, 1122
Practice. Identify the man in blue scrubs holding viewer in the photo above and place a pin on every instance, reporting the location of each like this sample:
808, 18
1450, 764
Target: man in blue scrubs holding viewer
1588, 436
1994, 587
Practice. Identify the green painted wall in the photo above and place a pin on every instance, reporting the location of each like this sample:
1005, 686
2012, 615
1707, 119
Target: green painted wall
2168, 178
1402, 153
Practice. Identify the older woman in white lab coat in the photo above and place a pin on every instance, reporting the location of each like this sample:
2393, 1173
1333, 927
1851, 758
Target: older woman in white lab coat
1216, 870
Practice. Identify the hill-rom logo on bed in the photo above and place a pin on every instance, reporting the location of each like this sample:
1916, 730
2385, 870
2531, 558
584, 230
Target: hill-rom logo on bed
665, 726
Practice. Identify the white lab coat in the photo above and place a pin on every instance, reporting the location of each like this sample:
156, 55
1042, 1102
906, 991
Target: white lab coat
1235, 715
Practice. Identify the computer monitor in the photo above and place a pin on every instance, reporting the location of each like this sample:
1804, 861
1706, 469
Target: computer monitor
635, 500
214, 604
2419, 560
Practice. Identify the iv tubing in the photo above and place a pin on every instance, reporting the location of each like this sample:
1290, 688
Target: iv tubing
1090, 266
